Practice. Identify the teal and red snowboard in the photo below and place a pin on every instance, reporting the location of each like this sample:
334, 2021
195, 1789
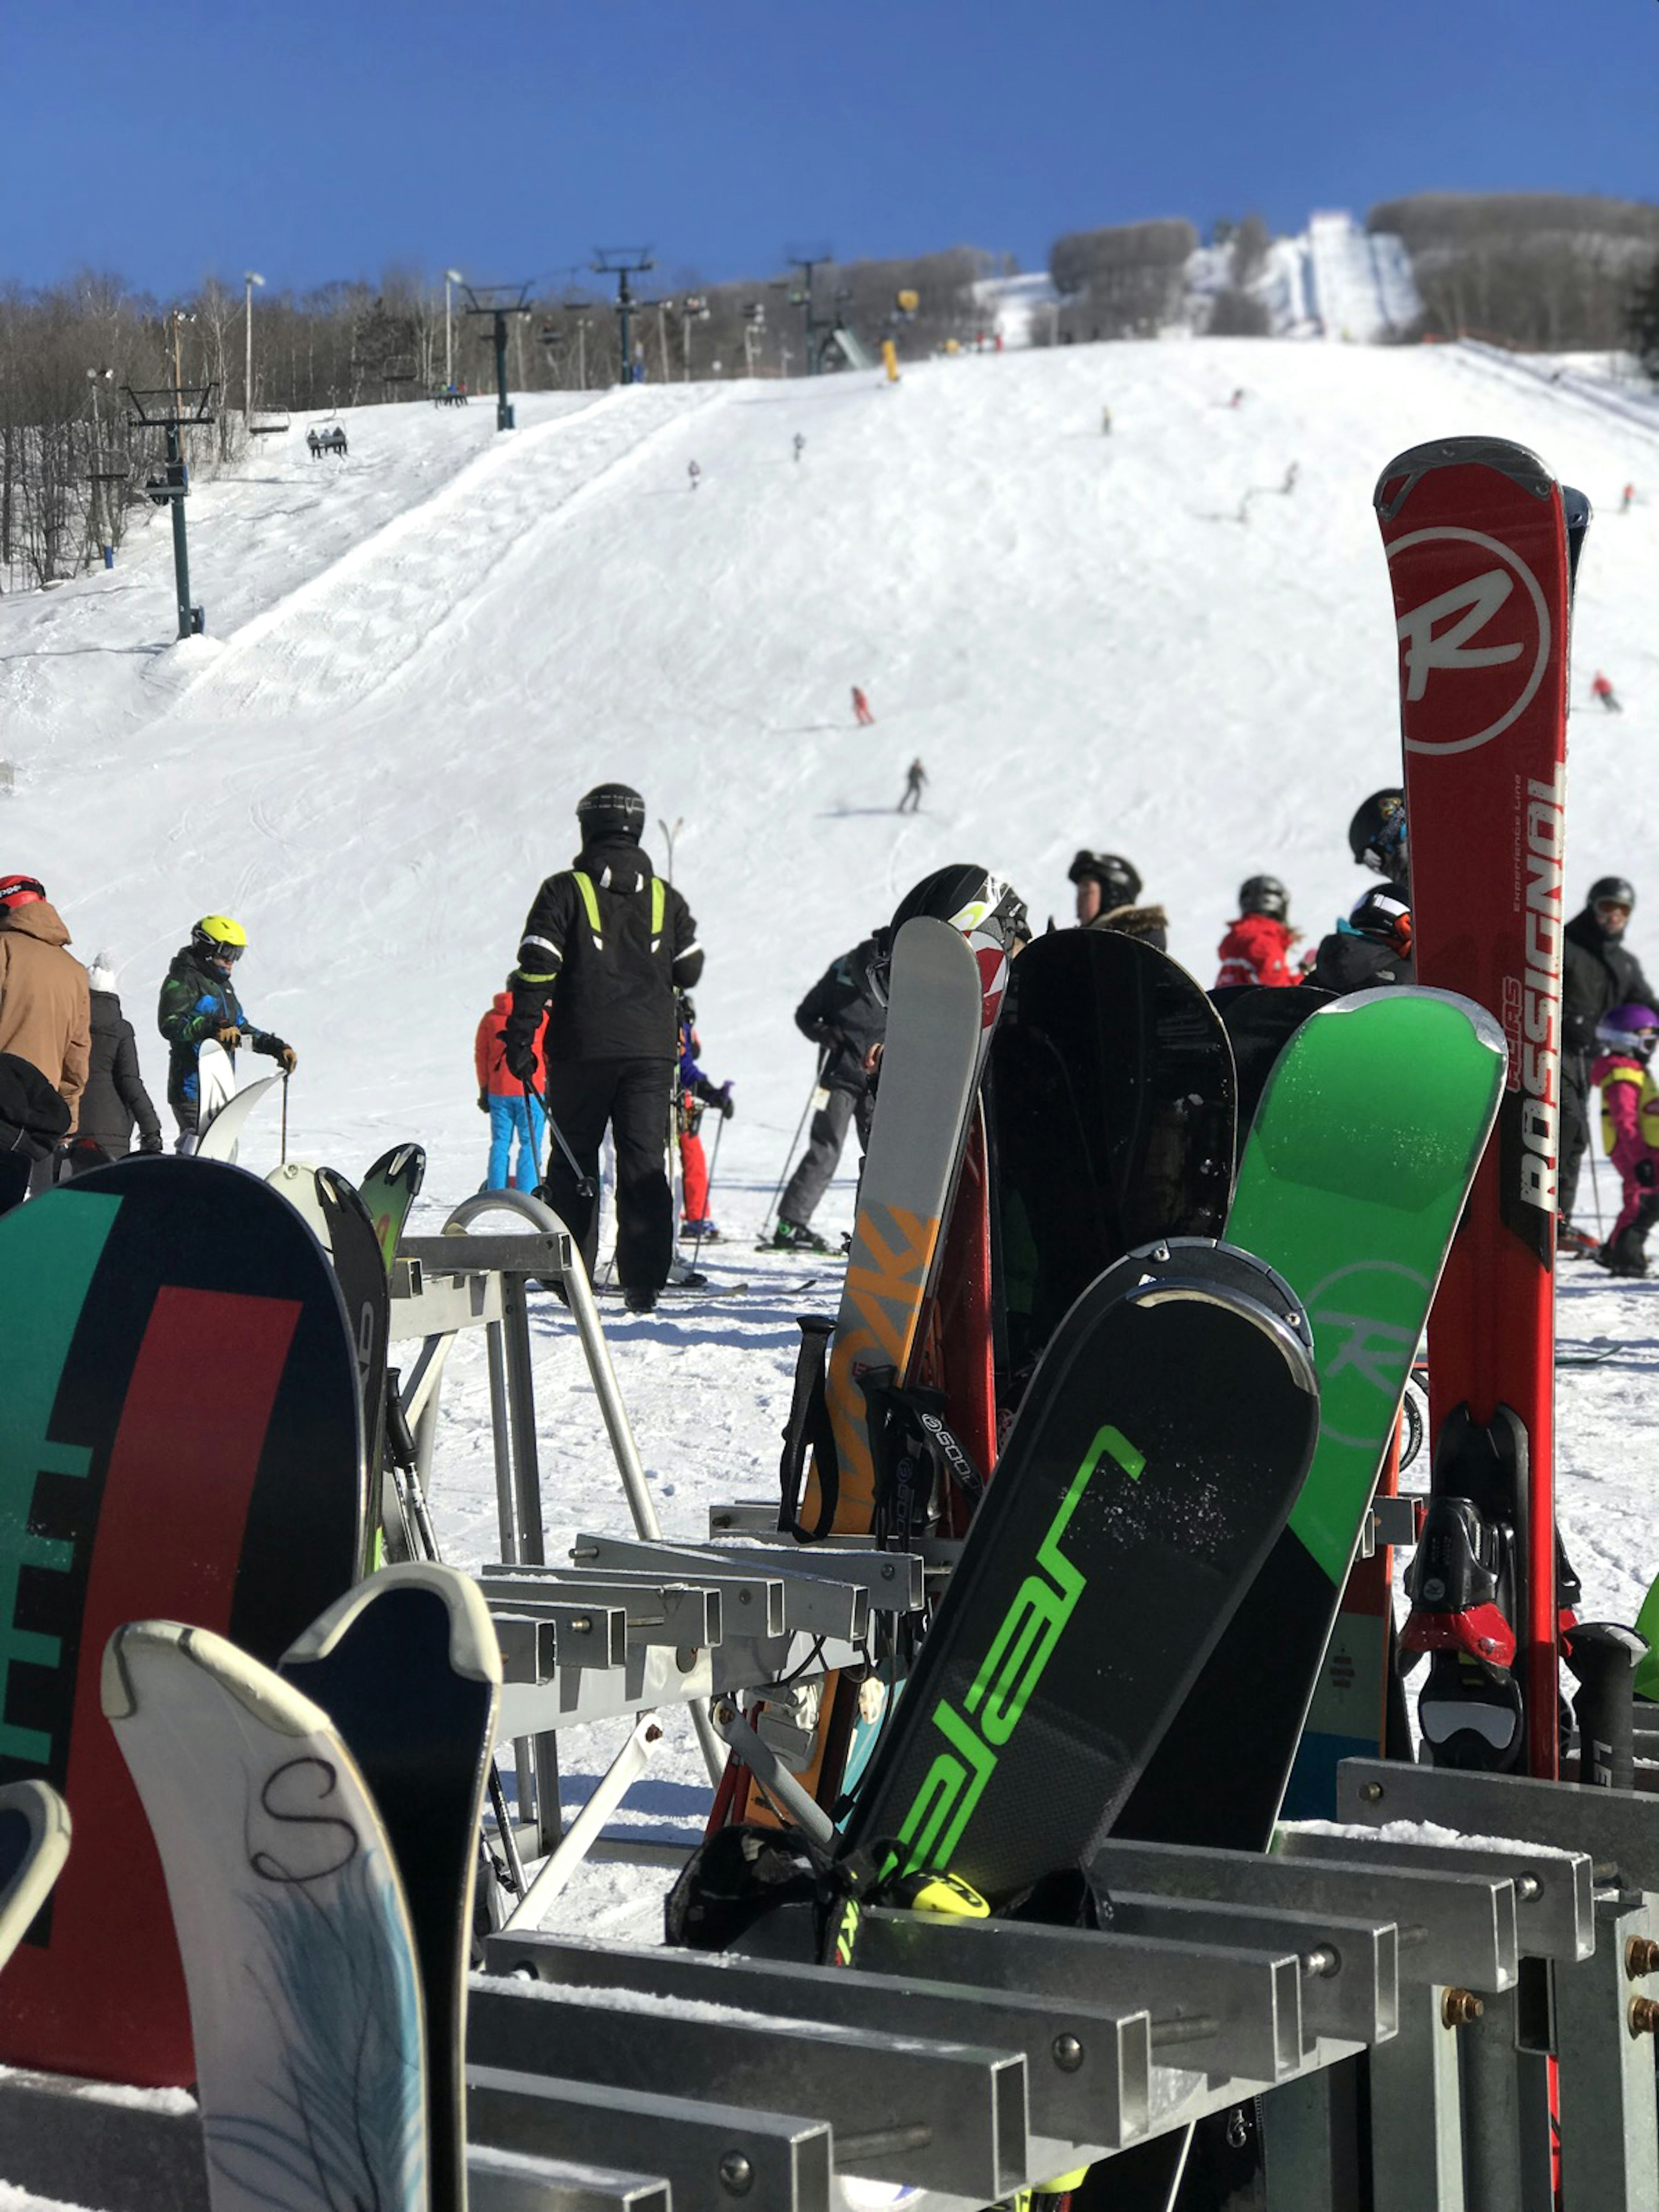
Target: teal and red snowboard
179, 1435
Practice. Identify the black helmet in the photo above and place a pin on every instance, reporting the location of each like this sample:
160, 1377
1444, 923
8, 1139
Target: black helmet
1376, 835
1384, 916
985, 907
1119, 881
971, 899
1265, 895
611, 810
1611, 890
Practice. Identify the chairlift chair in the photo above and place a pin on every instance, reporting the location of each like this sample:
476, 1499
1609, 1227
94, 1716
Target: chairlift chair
268, 421
328, 436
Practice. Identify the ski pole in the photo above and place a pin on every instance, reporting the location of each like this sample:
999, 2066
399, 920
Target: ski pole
283, 1157
713, 1162
1589, 1145
586, 1185
771, 1210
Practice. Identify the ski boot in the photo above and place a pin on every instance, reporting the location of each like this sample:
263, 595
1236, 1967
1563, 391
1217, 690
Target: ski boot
1573, 1243
1623, 1255
700, 1232
796, 1237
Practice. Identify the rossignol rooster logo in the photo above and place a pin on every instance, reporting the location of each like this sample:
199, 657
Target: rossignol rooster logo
1366, 1317
1494, 619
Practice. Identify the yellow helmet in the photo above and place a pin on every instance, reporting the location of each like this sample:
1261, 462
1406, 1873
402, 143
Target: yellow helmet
217, 937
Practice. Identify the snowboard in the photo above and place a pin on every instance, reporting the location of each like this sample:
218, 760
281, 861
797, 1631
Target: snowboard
182, 1434
218, 1138
34, 1841
1353, 1177
407, 1668
215, 1080
954, 1355
389, 1190
1111, 1091
1647, 1627
1129, 1517
339, 1219
945, 993
1477, 542
299, 1952
937, 1018
1261, 1019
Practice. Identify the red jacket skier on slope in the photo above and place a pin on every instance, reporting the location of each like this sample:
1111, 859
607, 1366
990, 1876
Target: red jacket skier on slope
1257, 947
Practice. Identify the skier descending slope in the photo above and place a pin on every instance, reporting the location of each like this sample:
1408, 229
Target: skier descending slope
197, 1002
606, 945
1477, 537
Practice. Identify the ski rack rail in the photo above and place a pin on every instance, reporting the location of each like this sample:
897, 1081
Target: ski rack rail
1450, 1936
441, 1285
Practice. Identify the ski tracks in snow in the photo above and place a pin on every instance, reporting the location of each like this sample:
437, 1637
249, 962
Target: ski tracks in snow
355, 628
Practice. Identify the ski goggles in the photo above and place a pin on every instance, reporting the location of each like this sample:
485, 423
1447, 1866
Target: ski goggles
1606, 909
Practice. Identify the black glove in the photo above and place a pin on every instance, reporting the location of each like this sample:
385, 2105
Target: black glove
151, 1144
1644, 1174
519, 1046
484, 1103
723, 1099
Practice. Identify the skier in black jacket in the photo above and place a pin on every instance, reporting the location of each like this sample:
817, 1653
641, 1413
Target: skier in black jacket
844, 1018
606, 945
1597, 975
1372, 950
115, 1097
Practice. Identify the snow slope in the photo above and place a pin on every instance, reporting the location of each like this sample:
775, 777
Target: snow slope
419, 658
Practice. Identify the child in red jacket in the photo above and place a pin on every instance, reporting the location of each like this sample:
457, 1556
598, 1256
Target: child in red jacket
1630, 1130
1257, 947
501, 1096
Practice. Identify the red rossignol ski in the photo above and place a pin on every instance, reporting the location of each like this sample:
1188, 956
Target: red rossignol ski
1477, 542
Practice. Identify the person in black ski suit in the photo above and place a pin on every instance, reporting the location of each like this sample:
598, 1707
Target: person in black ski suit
1597, 974
843, 1015
1108, 898
1372, 950
606, 945
115, 1097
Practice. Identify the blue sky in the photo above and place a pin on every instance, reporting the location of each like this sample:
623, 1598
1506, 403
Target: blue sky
508, 139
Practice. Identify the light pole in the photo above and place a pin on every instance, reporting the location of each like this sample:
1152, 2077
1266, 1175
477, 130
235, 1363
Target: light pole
451, 276
250, 278
99, 472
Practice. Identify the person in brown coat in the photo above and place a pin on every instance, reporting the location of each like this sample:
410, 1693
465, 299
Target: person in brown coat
45, 1009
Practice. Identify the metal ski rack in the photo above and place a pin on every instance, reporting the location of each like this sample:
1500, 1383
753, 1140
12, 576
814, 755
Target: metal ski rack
966, 2058
1391, 1989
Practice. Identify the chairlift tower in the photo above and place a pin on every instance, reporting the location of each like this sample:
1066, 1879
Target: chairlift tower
498, 301
623, 262
817, 333
174, 409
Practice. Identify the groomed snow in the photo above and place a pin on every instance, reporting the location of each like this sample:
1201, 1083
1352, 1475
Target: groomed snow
419, 658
